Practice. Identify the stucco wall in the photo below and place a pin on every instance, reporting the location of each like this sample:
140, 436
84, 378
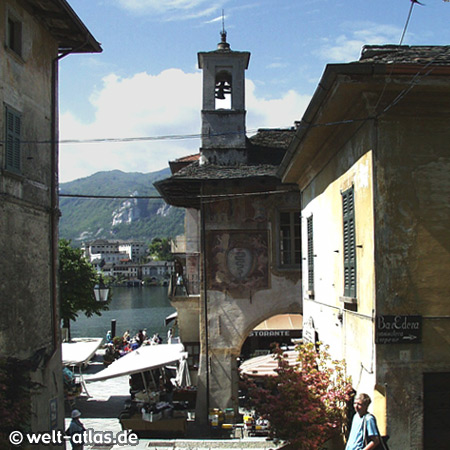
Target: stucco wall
349, 337
413, 245
26, 324
234, 308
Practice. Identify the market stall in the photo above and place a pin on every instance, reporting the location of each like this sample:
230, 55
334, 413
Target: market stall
76, 354
266, 365
156, 372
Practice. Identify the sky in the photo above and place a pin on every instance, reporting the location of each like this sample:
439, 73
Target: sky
144, 90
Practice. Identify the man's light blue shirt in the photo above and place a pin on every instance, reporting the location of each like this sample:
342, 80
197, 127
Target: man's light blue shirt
356, 438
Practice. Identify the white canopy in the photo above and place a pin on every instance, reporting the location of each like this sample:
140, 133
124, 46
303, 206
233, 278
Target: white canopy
146, 357
265, 365
171, 317
79, 351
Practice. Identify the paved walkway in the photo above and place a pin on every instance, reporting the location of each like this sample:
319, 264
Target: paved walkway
100, 411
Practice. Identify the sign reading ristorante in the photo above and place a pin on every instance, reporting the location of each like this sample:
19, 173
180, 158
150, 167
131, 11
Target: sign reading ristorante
398, 329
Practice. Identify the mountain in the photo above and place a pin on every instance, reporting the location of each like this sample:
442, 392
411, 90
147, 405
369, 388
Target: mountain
85, 219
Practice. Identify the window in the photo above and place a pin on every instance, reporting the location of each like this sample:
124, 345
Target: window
14, 35
289, 238
348, 214
309, 230
12, 135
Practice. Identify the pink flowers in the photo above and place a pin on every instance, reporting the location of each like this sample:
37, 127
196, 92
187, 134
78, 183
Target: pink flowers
305, 405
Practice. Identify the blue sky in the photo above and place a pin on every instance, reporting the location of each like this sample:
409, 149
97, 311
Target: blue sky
146, 83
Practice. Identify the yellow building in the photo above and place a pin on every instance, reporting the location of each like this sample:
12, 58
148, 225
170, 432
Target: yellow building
371, 158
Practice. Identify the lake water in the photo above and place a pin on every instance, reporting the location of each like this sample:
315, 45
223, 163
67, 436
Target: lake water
133, 309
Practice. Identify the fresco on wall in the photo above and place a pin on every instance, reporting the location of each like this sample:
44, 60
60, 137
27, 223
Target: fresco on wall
241, 210
238, 261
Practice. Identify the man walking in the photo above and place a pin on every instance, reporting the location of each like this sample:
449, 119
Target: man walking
75, 431
364, 433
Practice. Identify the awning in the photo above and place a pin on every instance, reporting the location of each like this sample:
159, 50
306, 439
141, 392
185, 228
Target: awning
265, 365
282, 322
172, 317
146, 357
79, 351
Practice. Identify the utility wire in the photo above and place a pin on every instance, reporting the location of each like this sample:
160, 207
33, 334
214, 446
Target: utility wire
148, 197
173, 137
151, 197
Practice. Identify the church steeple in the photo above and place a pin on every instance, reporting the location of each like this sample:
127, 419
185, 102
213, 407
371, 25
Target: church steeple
223, 112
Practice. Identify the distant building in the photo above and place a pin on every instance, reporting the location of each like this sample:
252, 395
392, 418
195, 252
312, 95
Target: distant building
133, 250
157, 270
35, 35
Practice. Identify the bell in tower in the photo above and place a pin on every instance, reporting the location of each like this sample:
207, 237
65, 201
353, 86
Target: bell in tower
223, 85
223, 112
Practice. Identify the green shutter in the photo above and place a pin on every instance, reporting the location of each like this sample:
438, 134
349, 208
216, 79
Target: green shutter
309, 229
348, 213
13, 132
289, 238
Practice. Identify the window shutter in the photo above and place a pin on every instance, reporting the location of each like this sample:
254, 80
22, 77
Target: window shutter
289, 238
309, 226
348, 213
13, 132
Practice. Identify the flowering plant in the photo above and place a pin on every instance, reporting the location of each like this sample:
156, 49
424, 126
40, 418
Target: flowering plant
305, 404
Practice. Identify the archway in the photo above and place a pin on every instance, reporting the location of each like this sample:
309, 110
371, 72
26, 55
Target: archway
281, 329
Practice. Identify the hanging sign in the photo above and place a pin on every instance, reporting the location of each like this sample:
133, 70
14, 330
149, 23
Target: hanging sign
309, 331
398, 330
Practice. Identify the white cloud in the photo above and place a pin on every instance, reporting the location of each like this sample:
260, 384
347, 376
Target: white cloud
274, 113
277, 65
158, 5
145, 105
347, 47
171, 9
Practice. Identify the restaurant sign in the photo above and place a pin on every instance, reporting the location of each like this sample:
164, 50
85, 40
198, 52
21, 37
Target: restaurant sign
398, 330
275, 333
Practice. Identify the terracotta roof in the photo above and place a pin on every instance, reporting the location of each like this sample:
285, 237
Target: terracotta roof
189, 158
405, 54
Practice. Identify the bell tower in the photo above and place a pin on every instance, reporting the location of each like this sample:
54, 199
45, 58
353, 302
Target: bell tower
223, 108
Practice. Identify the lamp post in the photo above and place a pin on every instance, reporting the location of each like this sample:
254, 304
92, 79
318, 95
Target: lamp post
101, 291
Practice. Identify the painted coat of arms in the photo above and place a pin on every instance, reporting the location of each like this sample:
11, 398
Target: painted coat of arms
237, 260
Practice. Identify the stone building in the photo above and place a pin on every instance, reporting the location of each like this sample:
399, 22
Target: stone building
35, 35
242, 231
371, 158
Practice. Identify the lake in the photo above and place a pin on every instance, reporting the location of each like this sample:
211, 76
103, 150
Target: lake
133, 308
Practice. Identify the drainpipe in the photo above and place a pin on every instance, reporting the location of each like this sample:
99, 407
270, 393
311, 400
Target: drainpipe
205, 296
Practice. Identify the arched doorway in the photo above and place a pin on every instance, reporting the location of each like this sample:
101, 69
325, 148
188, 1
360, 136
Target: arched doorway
280, 328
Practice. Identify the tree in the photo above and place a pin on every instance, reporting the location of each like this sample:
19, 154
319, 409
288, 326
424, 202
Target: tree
306, 404
160, 249
77, 279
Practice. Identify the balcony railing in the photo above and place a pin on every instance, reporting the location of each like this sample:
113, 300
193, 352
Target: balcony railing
184, 286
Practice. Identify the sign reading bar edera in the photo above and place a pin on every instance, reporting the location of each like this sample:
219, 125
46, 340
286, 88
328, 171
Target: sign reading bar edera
398, 329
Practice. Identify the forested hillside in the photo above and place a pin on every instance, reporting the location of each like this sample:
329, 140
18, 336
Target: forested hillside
143, 219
